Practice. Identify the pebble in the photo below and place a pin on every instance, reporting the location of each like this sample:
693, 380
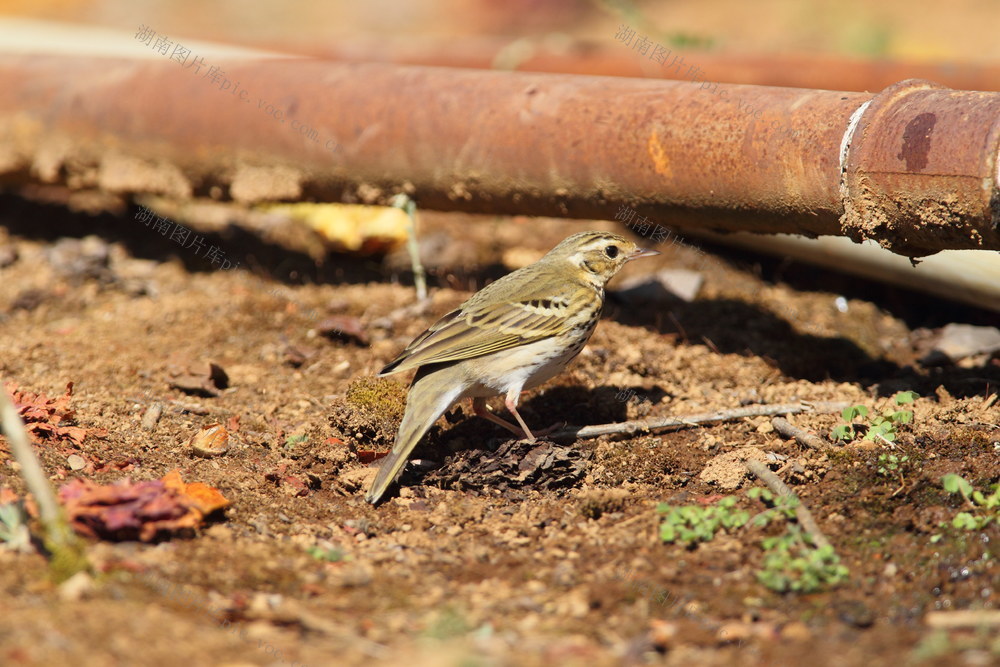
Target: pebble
76, 587
796, 631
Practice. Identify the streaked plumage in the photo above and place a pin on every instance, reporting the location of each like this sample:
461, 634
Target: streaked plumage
513, 334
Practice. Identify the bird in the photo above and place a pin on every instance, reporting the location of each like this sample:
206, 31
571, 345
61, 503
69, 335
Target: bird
514, 334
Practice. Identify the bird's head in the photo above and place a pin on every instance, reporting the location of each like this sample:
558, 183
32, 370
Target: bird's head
598, 255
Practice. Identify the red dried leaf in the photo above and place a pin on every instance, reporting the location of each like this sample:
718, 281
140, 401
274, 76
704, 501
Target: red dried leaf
130, 510
206, 498
49, 418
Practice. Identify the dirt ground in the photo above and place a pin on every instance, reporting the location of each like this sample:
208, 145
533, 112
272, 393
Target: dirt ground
560, 566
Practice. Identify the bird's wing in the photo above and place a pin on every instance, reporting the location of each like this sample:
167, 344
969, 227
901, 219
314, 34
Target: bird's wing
479, 327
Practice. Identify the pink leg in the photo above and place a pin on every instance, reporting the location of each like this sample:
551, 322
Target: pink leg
511, 404
479, 407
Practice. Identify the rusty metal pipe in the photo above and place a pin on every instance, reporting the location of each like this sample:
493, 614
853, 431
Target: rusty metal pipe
723, 157
793, 70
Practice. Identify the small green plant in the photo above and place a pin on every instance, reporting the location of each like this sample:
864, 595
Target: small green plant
895, 466
327, 554
449, 623
889, 464
781, 506
983, 509
792, 563
14, 533
691, 524
293, 441
883, 426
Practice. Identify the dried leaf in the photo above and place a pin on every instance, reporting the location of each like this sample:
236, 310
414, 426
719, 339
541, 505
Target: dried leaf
213, 440
146, 510
516, 464
206, 380
49, 419
206, 498
344, 327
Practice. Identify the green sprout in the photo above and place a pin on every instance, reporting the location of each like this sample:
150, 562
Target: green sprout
882, 426
782, 506
693, 523
982, 509
329, 555
792, 563
14, 533
889, 464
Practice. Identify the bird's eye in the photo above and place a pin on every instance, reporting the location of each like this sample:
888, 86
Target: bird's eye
611, 251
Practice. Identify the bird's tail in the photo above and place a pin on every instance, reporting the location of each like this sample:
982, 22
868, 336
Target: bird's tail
425, 402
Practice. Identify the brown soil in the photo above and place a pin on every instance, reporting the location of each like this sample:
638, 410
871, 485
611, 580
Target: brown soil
475, 562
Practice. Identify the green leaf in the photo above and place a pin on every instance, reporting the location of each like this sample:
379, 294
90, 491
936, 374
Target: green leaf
854, 411
842, 432
953, 483
901, 416
904, 397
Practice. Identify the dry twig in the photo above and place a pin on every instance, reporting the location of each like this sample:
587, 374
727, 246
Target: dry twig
963, 618
803, 437
419, 275
802, 513
676, 423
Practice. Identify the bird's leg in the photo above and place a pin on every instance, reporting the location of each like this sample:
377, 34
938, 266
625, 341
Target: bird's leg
513, 409
479, 407
511, 402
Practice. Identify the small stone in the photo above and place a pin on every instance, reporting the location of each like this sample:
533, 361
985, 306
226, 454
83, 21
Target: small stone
663, 634
77, 586
152, 416
661, 286
734, 632
8, 255
76, 462
796, 631
856, 613
958, 341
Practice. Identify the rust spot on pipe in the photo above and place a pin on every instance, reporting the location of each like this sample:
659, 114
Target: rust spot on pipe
917, 141
660, 160
920, 174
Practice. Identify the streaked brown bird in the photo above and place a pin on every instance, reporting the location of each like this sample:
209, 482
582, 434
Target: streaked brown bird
512, 335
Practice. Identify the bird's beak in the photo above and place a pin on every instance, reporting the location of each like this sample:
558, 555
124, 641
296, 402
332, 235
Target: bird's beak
641, 252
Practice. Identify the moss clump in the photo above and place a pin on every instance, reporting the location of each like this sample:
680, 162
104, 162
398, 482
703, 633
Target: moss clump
385, 399
369, 414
